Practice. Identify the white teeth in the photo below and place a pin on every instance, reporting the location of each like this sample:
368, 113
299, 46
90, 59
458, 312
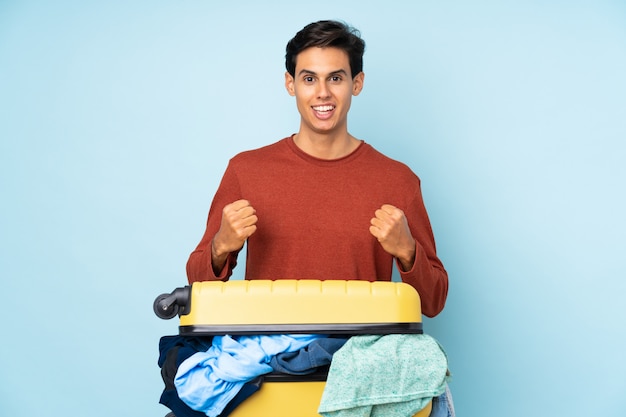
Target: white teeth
323, 108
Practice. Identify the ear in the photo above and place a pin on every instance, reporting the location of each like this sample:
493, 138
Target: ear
289, 84
357, 83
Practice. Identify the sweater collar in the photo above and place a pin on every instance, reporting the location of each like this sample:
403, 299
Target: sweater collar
324, 162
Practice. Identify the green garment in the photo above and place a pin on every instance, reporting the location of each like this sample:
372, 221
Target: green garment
384, 376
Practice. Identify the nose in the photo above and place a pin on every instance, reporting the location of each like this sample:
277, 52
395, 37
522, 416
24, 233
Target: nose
323, 91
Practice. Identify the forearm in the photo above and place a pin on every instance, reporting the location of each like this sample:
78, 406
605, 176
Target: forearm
219, 258
429, 278
427, 274
406, 259
200, 266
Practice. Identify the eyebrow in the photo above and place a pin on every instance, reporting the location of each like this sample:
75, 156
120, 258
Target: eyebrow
309, 72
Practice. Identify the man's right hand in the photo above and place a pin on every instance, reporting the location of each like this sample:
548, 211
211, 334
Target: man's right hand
238, 224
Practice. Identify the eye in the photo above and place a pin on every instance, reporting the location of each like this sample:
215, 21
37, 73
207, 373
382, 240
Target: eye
308, 79
335, 78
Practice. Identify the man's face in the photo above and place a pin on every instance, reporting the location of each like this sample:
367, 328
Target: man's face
323, 88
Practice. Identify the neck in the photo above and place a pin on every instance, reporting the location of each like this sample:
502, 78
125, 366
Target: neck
326, 146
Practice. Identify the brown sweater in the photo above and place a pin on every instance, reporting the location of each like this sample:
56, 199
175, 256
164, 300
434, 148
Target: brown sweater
314, 217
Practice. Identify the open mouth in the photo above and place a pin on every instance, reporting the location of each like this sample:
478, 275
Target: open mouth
323, 110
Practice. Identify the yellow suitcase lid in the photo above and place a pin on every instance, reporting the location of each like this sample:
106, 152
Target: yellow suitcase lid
300, 306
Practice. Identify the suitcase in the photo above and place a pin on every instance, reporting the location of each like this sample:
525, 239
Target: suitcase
334, 307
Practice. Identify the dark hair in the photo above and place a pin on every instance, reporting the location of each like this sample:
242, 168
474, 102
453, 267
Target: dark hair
327, 33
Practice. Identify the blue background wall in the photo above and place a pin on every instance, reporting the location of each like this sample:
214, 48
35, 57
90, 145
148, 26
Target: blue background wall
117, 120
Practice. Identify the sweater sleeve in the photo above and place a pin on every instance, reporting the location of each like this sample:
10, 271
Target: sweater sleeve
199, 266
428, 275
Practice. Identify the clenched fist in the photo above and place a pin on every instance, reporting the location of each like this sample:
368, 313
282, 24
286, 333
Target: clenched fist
238, 224
390, 227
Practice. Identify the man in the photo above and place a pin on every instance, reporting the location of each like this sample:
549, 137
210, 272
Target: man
322, 204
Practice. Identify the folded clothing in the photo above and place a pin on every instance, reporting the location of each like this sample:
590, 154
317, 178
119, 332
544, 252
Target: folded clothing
391, 375
173, 351
318, 354
208, 381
